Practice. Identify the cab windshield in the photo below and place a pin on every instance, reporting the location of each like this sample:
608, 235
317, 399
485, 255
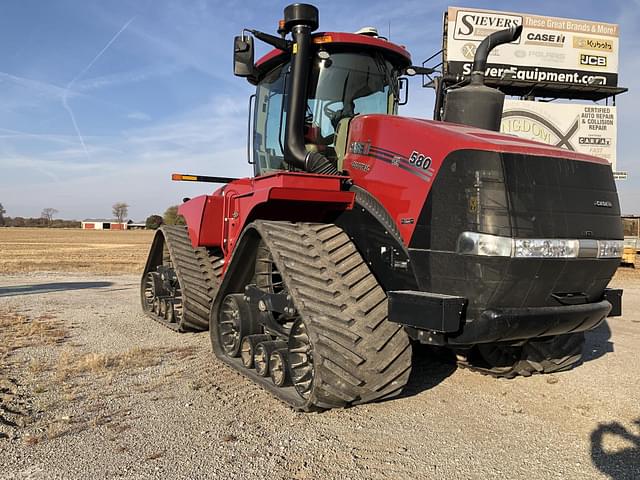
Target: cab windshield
341, 86
344, 85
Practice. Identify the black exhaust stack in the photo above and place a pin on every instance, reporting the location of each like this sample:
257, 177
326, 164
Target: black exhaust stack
301, 20
476, 104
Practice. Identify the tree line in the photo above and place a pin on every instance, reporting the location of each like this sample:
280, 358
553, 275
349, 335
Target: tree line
120, 210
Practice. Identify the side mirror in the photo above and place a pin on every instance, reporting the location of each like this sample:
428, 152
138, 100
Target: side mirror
413, 70
243, 56
403, 90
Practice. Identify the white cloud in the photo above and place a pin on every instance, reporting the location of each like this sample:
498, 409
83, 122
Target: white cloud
139, 116
134, 166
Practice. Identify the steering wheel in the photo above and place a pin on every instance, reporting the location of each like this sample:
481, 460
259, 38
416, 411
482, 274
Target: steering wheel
334, 116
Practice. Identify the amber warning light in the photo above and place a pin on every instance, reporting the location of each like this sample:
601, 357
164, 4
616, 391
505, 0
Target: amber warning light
323, 39
181, 177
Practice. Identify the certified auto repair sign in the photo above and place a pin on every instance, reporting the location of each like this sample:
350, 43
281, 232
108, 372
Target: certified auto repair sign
585, 128
550, 50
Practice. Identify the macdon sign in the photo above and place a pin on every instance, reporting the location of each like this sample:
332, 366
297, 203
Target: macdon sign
550, 50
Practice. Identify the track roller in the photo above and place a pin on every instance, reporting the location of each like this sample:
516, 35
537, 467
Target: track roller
279, 367
163, 308
262, 355
248, 348
156, 306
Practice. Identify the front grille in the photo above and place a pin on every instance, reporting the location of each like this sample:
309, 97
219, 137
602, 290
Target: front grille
514, 195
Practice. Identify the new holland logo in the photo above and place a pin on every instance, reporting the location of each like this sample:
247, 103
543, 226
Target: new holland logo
593, 60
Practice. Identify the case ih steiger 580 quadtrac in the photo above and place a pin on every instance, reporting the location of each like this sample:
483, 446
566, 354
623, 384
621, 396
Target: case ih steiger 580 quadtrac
363, 232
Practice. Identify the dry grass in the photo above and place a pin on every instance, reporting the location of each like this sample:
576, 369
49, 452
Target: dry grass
71, 364
19, 331
73, 250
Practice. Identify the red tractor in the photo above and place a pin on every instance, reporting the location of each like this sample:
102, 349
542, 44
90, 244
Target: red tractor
363, 232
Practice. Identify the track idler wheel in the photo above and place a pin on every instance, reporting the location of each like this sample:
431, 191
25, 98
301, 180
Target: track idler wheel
279, 367
262, 356
248, 348
235, 321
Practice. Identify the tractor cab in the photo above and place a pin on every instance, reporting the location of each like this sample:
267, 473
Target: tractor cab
342, 75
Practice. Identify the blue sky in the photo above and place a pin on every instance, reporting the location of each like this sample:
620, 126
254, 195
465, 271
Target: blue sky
100, 101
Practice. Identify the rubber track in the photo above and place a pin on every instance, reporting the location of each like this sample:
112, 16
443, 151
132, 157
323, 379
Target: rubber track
198, 272
359, 356
557, 354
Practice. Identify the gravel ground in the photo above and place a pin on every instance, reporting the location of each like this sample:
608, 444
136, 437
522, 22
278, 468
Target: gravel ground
105, 392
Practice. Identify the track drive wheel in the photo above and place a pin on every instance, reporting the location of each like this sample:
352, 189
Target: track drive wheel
554, 354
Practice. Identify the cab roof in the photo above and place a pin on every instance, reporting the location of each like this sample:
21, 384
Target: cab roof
397, 53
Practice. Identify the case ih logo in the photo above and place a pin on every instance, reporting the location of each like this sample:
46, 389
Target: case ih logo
593, 60
477, 25
545, 39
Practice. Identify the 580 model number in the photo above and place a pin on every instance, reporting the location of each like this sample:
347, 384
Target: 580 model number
420, 160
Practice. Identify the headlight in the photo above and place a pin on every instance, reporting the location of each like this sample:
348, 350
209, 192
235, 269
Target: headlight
473, 243
546, 248
610, 248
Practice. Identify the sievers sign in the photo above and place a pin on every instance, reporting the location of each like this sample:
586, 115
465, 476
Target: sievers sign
550, 50
589, 129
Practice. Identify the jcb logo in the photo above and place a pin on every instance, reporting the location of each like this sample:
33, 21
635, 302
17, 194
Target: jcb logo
593, 60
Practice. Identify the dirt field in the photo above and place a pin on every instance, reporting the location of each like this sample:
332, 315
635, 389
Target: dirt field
73, 250
91, 388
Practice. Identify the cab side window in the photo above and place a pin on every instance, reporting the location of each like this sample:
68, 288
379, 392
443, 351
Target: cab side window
270, 115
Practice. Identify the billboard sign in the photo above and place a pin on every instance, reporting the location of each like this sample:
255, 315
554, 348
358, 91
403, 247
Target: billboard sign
551, 50
583, 128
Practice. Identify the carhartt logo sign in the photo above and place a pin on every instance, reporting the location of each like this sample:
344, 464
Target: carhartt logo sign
600, 141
